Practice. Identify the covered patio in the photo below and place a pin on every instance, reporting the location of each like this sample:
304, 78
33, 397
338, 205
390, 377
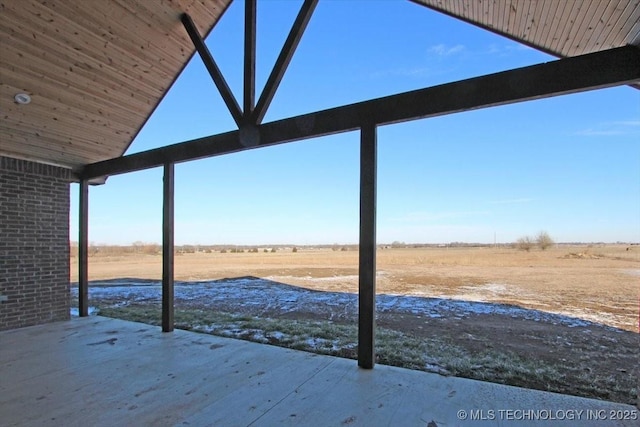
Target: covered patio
105, 372
79, 81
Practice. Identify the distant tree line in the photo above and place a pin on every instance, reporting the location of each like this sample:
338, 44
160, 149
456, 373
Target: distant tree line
145, 248
542, 240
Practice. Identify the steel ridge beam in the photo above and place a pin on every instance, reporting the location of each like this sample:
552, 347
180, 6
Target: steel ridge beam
613, 67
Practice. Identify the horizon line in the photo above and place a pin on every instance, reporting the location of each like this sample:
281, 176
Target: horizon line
394, 243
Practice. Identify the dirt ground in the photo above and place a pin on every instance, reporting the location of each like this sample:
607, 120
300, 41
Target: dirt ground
594, 283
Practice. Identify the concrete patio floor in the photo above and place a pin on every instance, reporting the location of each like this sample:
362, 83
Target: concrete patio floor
106, 372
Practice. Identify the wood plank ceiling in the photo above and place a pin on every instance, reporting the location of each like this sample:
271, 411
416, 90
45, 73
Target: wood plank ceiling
96, 69
560, 27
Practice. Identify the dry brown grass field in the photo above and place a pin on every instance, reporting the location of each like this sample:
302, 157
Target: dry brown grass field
592, 282
479, 313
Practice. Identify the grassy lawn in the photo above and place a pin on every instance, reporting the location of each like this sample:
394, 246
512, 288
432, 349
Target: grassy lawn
439, 354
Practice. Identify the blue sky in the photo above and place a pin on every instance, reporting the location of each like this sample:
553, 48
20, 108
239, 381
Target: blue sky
568, 165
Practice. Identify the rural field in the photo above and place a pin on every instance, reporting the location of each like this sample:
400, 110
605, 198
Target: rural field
564, 319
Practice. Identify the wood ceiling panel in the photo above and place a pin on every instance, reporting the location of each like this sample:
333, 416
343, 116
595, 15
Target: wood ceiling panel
27, 65
512, 15
539, 10
21, 140
576, 26
563, 28
528, 21
631, 27
595, 18
503, 16
550, 38
82, 35
489, 16
69, 99
42, 151
79, 59
50, 120
613, 26
95, 69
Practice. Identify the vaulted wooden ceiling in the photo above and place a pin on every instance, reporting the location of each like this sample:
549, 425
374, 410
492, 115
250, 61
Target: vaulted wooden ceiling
96, 69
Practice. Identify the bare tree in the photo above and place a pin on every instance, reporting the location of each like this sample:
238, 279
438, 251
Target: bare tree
544, 241
525, 243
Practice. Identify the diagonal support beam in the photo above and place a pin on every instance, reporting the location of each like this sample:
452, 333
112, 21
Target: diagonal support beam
213, 69
290, 45
614, 67
249, 57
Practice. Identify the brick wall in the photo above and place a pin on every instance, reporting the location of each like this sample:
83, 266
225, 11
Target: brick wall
34, 243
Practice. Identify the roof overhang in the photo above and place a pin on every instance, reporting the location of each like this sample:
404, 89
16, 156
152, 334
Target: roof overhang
97, 70
560, 28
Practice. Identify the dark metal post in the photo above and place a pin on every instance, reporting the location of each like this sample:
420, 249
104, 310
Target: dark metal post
367, 261
290, 45
167, 248
83, 250
249, 57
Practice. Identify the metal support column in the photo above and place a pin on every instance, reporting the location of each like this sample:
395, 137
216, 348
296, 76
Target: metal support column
167, 248
83, 250
367, 255
249, 97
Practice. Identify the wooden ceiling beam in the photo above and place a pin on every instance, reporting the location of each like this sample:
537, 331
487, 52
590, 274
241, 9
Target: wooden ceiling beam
598, 70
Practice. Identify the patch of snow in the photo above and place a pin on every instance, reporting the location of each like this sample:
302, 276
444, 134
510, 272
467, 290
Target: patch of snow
258, 336
257, 295
252, 334
321, 344
277, 335
205, 328
436, 369
436, 307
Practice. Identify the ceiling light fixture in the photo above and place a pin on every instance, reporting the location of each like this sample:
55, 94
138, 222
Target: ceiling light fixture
22, 98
